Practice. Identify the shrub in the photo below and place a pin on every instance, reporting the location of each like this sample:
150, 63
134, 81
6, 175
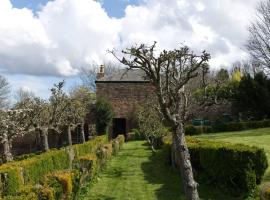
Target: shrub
104, 115
52, 170
46, 193
222, 127
90, 146
115, 147
32, 170
61, 183
265, 192
10, 179
196, 130
191, 130
121, 140
237, 167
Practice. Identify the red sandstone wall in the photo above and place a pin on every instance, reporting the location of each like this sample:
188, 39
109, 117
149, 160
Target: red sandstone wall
125, 97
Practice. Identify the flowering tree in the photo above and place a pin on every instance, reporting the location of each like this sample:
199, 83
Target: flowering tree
150, 123
13, 123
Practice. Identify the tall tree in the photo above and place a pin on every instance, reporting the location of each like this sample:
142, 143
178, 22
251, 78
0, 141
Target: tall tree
258, 43
169, 72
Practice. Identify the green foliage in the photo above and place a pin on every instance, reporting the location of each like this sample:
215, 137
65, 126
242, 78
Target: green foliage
90, 146
11, 180
136, 135
33, 169
104, 115
222, 127
150, 124
61, 184
36, 167
52, 170
27, 192
239, 168
265, 193
253, 96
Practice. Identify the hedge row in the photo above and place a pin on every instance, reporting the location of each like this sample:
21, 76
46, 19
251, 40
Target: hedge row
57, 174
239, 168
233, 126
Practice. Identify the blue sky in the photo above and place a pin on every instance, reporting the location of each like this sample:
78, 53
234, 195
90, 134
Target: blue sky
39, 50
114, 8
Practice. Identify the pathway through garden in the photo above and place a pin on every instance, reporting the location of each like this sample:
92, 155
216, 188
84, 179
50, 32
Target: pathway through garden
138, 174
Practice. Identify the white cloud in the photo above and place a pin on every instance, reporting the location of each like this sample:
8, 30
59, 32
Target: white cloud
68, 34
65, 35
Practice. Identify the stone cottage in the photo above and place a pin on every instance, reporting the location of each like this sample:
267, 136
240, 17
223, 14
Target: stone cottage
125, 89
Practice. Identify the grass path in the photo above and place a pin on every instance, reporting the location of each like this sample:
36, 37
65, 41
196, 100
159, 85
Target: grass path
256, 137
138, 174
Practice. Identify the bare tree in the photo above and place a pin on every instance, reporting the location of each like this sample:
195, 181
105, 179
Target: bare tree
88, 75
169, 72
258, 43
4, 92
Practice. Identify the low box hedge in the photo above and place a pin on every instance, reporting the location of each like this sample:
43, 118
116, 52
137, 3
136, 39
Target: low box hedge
226, 127
239, 168
59, 173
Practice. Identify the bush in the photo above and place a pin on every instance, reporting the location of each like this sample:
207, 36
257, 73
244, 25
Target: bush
104, 115
265, 192
197, 130
191, 130
53, 170
61, 184
222, 127
32, 170
26, 193
10, 179
237, 167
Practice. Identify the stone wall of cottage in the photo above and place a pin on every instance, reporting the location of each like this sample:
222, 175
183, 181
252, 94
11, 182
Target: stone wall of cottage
125, 97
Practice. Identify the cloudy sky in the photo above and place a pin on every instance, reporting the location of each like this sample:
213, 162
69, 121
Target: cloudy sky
44, 41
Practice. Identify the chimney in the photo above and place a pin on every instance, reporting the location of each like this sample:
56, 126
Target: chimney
101, 72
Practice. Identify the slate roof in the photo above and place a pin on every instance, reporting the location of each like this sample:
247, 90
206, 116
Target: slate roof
125, 75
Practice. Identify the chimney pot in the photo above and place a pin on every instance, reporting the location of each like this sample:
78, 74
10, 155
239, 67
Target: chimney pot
101, 72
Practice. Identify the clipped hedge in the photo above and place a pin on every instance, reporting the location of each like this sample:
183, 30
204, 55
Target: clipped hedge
31, 171
57, 174
265, 192
222, 127
239, 168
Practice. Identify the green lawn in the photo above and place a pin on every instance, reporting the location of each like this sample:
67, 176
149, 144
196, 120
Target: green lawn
256, 137
137, 173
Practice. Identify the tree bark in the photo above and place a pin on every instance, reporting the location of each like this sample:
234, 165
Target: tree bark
7, 151
190, 186
81, 133
86, 131
44, 139
69, 137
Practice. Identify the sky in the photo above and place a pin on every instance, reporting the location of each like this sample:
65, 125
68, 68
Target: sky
43, 42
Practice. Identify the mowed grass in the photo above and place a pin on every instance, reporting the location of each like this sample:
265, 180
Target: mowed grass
138, 174
256, 137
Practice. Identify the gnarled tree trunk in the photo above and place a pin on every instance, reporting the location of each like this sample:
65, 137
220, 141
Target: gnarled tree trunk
7, 155
44, 139
190, 186
81, 133
69, 137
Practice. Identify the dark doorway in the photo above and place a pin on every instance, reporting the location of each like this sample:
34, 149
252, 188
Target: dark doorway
119, 127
